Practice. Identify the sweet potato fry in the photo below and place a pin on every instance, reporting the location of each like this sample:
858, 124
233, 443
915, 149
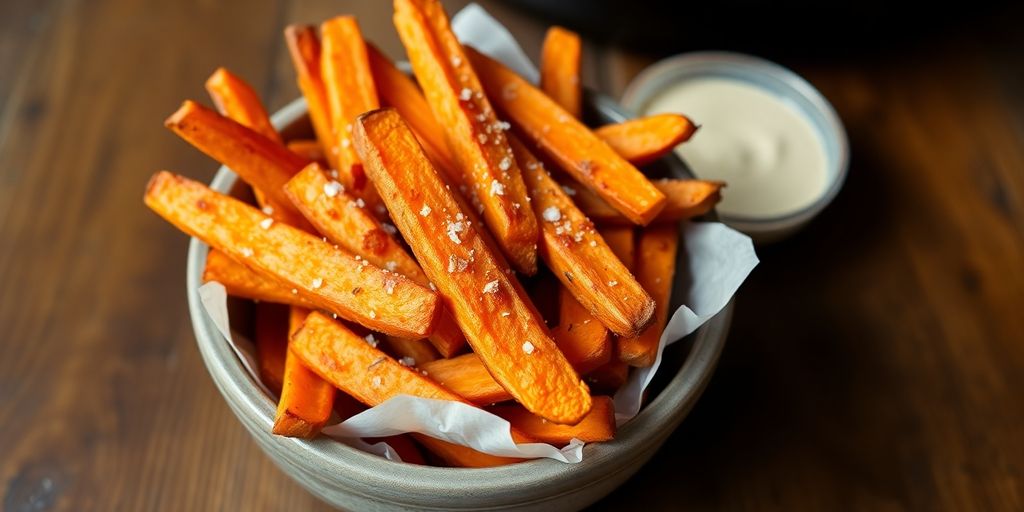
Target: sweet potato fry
467, 376
566, 141
241, 281
655, 269
398, 91
685, 199
271, 339
304, 49
579, 257
306, 399
475, 136
485, 302
645, 139
337, 215
622, 241
597, 426
583, 339
261, 162
560, 69
345, 360
410, 352
611, 376
337, 282
348, 84
309, 149
237, 100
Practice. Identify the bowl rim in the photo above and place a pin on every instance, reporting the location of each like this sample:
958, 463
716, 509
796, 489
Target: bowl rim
651, 80
361, 472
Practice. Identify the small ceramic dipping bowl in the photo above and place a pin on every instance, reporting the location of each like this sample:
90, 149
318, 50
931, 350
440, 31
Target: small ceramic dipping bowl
790, 91
354, 480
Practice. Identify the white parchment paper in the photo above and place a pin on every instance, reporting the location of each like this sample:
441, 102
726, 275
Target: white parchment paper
718, 260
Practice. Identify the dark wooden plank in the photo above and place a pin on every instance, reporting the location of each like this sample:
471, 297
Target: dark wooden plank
876, 360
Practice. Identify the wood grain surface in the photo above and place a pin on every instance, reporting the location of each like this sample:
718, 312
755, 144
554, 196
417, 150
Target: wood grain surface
876, 360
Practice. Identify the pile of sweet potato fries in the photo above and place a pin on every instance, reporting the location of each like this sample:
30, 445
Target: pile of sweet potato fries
381, 249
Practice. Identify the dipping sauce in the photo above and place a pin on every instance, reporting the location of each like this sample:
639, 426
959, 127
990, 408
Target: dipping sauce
769, 154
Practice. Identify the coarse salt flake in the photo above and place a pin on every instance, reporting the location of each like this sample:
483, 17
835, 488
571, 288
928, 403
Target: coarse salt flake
569, 191
388, 228
373, 314
269, 210
247, 252
491, 287
425, 211
371, 340
613, 283
332, 188
505, 163
317, 283
407, 361
552, 214
266, 223
505, 314
528, 347
389, 286
466, 94
376, 381
497, 189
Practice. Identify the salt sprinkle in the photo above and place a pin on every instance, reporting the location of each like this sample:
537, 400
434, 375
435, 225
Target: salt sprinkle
527, 347
456, 264
505, 163
358, 203
388, 228
505, 314
552, 214
371, 340
332, 188
569, 191
456, 60
389, 286
432, 286
295, 291
266, 223
407, 361
613, 283
593, 243
376, 381
317, 283
373, 314
482, 137
424, 211
391, 265
465, 94
345, 143
269, 210
491, 287
247, 252
497, 189
454, 228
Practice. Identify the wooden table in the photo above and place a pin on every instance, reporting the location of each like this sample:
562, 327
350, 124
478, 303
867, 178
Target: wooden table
876, 361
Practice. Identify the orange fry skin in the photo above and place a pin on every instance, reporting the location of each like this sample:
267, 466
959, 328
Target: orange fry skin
418, 351
475, 137
579, 257
271, 339
337, 283
467, 377
306, 399
686, 199
354, 229
498, 323
348, 84
261, 162
655, 269
560, 69
645, 139
596, 427
622, 240
345, 360
568, 142
305, 49
236, 99
241, 281
309, 149
583, 339
398, 91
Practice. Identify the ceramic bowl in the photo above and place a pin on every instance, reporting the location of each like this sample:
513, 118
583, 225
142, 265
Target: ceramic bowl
354, 480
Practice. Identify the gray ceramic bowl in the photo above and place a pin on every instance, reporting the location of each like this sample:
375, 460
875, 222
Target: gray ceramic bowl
350, 479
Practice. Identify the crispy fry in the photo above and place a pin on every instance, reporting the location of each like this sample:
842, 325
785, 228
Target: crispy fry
337, 282
237, 100
622, 241
597, 426
566, 141
417, 351
338, 217
304, 49
398, 91
309, 149
560, 69
467, 376
645, 139
579, 256
612, 376
483, 299
685, 199
655, 269
357, 368
241, 281
475, 136
348, 84
306, 399
271, 339
261, 162
583, 339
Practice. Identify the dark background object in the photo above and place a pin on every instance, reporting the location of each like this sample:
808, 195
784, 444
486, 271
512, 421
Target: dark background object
876, 360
